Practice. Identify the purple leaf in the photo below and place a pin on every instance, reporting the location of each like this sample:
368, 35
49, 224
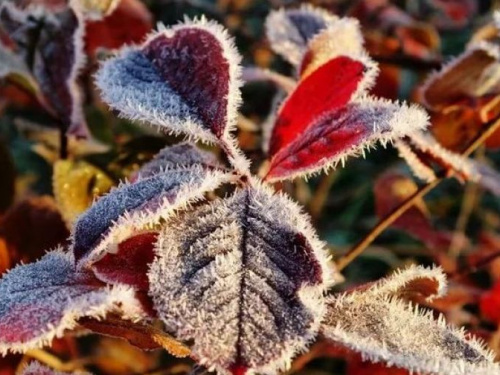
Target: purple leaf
41, 300
136, 206
51, 47
243, 277
180, 155
185, 80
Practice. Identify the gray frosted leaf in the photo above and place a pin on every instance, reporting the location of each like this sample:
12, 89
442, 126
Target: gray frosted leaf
41, 300
12, 64
243, 277
51, 46
138, 206
412, 282
383, 327
289, 31
180, 155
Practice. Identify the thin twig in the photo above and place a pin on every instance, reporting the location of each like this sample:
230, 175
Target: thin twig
466, 270
318, 201
63, 144
409, 62
344, 261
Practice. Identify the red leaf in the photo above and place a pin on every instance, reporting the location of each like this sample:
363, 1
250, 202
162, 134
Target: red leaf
130, 264
342, 132
329, 87
129, 23
490, 304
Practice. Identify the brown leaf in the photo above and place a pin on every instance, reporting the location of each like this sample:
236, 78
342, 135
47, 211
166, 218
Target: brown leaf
456, 126
143, 336
468, 77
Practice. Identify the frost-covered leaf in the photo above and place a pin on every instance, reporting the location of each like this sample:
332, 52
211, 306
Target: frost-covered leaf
244, 278
385, 328
41, 300
134, 207
346, 131
128, 23
180, 155
141, 335
76, 184
473, 74
341, 38
421, 151
412, 283
35, 368
391, 189
183, 80
130, 264
51, 46
289, 31
330, 87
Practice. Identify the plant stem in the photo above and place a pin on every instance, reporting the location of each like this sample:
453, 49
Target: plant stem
344, 261
409, 62
63, 144
321, 194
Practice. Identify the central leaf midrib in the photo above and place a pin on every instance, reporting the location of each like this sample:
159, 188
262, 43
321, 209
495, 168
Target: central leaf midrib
243, 246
